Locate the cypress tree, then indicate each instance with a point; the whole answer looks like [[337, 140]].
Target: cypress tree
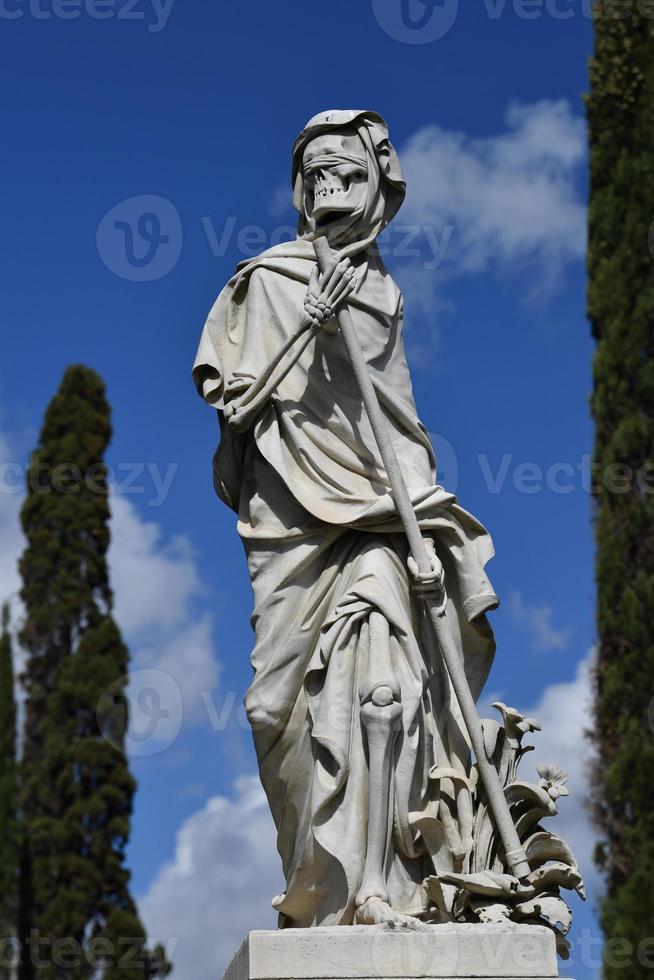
[[77, 914], [8, 802], [621, 311]]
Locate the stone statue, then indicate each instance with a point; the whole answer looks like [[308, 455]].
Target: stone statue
[[364, 748]]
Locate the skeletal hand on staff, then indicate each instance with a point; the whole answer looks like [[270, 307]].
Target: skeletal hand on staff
[[326, 293], [432, 582]]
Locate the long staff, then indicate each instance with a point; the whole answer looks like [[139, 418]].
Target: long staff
[[435, 606]]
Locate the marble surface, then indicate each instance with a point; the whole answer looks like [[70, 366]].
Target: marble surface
[[452, 950]]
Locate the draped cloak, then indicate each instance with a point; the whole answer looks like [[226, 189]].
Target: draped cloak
[[325, 548]]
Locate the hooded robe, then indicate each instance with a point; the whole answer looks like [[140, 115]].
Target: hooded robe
[[325, 548]]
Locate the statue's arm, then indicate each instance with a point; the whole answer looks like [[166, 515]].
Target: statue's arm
[[244, 399]]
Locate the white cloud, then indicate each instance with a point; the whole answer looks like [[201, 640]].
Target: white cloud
[[154, 580], [564, 713], [11, 498], [12, 478], [512, 198], [536, 622], [219, 884], [157, 589], [508, 204], [189, 672]]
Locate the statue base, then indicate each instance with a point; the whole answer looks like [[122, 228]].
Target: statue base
[[449, 951]]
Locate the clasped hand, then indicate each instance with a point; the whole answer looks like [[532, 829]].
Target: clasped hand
[[326, 294], [432, 582]]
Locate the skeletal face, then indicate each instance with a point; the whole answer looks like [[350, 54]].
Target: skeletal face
[[335, 176]]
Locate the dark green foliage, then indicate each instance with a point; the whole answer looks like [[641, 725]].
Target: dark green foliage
[[8, 801], [65, 520], [76, 790], [621, 310]]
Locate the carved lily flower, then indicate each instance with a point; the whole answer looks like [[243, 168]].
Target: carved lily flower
[[515, 723], [553, 779]]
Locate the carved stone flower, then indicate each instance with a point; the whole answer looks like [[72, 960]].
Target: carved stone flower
[[553, 779], [516, 725]]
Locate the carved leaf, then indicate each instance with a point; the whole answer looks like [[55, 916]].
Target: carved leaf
[[485, 842], [495, 912], [433, 835], [536, 797], [525, 822], [456, 775], [551, 908], [557, 875], [491, 730], [543, 846], [489, 883], [436, 895], [502, 751]]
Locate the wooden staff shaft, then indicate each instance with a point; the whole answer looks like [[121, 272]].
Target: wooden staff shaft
[[515, 853]]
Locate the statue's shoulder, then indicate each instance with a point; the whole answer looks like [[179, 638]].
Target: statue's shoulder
[[293, 260], [297, 250]]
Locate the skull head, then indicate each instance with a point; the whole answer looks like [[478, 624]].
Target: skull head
[[335, 176]]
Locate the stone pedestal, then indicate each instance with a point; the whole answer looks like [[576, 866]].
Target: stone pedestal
[[484, 952]]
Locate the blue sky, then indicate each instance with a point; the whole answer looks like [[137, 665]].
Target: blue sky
[[176, 122]]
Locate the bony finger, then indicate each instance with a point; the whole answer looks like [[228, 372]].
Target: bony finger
[[335, 274], [344, 290], [437, 566], [338, 287], [350, 286], [342, 299], [337, 302]]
